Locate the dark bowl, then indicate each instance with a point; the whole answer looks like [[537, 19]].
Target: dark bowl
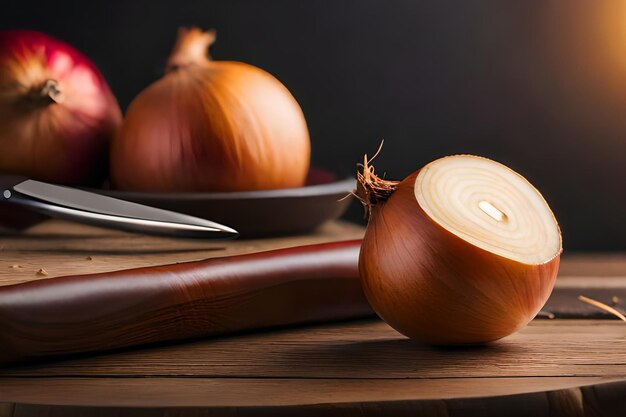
[[259, 213]]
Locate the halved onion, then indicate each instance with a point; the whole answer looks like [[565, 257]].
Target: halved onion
[[463, 251]]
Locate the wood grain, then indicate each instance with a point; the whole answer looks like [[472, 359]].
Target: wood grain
[[364, 349], [110, 310], [220, 392], [63, 248], [361, 368]]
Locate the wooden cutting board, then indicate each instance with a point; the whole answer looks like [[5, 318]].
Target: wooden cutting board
[[64, 248], [56, 248], [552, 367]]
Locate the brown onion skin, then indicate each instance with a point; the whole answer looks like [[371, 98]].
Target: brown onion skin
[[434, 287], [211, 126], [64, 141]]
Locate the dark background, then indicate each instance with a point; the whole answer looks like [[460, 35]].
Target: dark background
[[539, 85]]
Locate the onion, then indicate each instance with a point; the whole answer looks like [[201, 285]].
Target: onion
[[463, 251], [211, 126], [57, 113]]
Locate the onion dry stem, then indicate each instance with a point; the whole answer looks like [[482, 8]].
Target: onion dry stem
[[372, 189]]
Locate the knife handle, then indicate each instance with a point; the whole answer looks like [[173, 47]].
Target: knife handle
[[88, 313]]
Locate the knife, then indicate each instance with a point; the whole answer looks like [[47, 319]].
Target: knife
[[99, 210]]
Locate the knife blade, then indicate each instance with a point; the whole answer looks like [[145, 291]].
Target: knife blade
[[99, 210]]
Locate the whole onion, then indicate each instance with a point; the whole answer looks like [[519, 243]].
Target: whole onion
[[57, 113], [462, 251], [211, 126]]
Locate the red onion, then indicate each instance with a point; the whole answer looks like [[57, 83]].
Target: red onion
[[57, 113]]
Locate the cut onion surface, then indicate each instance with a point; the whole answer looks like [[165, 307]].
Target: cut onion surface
[[490, 206]]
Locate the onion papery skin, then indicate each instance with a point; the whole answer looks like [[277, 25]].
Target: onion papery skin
[[211, 126], [435, 287], [61, 137]]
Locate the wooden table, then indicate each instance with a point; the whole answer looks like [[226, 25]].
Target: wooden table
[[552, 367]]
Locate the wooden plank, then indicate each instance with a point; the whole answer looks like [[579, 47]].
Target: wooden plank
[[594, 264], [365, 349], [355, 368], [251, 392], [71, 242], [64, 248], [7, 409], [564, 302]]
